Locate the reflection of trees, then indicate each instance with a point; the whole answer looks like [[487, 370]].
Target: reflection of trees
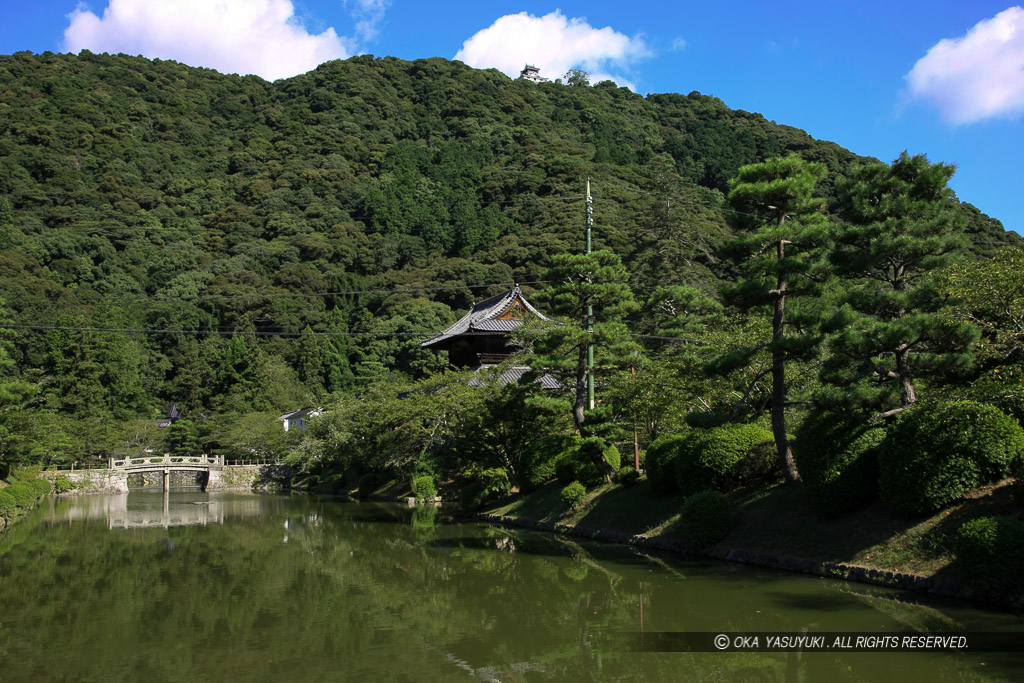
[[309, 589]]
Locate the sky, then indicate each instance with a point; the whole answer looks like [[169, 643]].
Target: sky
[[943, 78]]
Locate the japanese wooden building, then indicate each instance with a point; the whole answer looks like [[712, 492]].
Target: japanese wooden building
[[482, 337]]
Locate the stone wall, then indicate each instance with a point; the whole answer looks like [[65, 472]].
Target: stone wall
[[92, 481], [250, 478]]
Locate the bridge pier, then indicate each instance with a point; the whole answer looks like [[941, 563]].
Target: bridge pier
[[167, 480]]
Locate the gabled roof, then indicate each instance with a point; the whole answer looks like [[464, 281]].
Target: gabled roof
[[302, 412], [490, 316]]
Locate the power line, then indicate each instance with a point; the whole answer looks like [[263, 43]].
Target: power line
[[203, 297], [265, 333]]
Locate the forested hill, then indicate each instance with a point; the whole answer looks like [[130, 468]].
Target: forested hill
[[148, 195]]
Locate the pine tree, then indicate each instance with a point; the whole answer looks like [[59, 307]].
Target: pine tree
[[594, 281], [902, 225], [783, 235]]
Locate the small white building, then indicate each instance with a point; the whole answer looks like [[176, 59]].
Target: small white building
[[532, 74], [297, 420]]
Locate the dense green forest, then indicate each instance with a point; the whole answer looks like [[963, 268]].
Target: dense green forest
[[243, 248]]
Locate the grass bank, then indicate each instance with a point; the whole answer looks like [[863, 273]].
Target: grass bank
[[776, 527], [19, 494]]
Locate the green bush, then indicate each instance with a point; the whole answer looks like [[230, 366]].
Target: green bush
[[838, 462], [367, 484], [761, 463], [62, 484], [424, 487], [990, 553], [486, 485], [539, 465], [939, 451], [660, 463], [628, 475], [579, 465], [713, 458], [572, 495], [8, 506], [705, 519]]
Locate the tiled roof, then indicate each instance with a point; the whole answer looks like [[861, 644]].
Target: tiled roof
[[512, 376], [481, 317]]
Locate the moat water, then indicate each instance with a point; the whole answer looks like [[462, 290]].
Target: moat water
[[246, 587]]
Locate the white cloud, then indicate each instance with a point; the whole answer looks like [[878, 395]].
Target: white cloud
[[368, 15], [678, 44], [553, 42], [263, 37], [977, 76]]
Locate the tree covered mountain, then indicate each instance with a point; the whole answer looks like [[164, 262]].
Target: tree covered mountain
[[199, 219]]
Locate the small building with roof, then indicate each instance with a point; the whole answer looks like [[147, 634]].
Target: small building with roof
[[298, 419], [482, 337]]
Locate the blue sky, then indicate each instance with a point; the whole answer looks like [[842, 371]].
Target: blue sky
[[944, 78]]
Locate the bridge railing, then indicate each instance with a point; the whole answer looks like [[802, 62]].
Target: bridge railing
[[165, 460]]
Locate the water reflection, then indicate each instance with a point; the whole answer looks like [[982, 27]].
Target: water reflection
[[296, 588], [155, 509]]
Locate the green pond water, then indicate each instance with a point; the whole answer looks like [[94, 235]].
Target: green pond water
[[245, 587]]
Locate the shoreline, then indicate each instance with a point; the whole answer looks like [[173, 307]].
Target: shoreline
[[932, 587]]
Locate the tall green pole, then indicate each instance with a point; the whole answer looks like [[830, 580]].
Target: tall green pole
[[590, 309]]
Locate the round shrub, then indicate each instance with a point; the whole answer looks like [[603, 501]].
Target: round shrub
[[990, 553], [538, 467], [572, 495], [660, 463], [838, 462], [628, 475], [424, 487], [367, 483], [712, 458], [939, 451], [705, 519], [62, 484]]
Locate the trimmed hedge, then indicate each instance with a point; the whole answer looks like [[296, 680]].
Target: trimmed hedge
[[424, 487], [713, 458], [939, 451], [660, 462], [705, 519], [572, 495], [838, 462], [990, 552]]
